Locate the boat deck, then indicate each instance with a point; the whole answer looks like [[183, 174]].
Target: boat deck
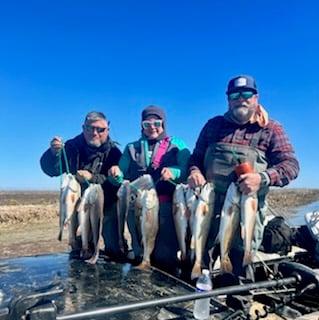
[[79, 287]]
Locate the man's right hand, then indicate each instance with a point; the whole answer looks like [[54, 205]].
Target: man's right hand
[[114, 171], [56, 145], [116, 174], [196, 179]]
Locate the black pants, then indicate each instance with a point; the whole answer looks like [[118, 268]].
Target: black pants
[[110, 233]]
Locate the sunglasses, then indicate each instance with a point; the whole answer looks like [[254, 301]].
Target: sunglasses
[[92, 129], [148, 123], [244, 94]]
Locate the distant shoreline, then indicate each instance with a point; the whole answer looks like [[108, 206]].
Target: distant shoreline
[[29, 220]]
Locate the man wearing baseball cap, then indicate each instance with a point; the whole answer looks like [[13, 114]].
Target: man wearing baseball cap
[[244, 133]]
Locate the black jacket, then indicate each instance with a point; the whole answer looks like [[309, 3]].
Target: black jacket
[[80, 156]]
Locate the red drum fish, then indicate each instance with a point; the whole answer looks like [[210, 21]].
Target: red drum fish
[[144, 182], [91, 217], [202, 211], [239, 210], [70, 194], [181, 216], [148, 201], [248, 206], [123, 205], [191, 203]]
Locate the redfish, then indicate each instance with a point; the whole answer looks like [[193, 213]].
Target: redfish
[[239, 211], [123, 205], [249, 206], [181, 216], [201, 203], [70, 194], [91, 217], [149, 204]]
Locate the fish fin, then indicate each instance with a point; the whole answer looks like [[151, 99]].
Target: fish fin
[[242, 231], [192, 244]]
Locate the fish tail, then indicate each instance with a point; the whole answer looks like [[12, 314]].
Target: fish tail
[[247, 258], [196, 271], [226, 264], [93, 259], [144, 265]]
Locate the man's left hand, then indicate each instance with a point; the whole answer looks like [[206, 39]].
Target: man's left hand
[[166, 174], [249, 183], [83, 176]]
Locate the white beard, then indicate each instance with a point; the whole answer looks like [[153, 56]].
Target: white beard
[[95, 144], [242, 113]]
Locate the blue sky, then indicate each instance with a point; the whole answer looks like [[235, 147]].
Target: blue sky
[[62, 59]]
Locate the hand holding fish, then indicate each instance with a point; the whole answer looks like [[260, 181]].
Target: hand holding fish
[[196, 179], [83, 176], [166, 174], [249, 183], [114, 171], [56, 145]]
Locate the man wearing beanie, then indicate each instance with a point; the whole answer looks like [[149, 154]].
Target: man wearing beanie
[[165, 159], [243, 134]]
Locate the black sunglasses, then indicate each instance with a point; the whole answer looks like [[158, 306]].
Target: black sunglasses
[[89, 128]]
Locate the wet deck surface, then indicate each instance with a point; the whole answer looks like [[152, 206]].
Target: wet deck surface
[[84, 287]]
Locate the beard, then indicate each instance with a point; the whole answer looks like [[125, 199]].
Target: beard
[[94, 143], [242, 113]]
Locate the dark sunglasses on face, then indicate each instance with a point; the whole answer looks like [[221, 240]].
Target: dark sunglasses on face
[[148, 123], [244, 94], [89, 128]]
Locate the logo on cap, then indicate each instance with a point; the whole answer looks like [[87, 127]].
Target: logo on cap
[[240, 82]]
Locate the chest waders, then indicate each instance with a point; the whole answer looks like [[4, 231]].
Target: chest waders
[[219, 166]]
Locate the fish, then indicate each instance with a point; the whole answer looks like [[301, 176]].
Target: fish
[[229, 225], [249, 205], [191, 203], [239, 211], [201, 203], [181, 216], [123, 205], [90, 220], [147, 201], [70, 195]]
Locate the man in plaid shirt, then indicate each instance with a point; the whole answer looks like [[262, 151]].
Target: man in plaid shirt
[[243, 133]]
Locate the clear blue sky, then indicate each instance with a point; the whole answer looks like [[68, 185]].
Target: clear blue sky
[[62, 59]]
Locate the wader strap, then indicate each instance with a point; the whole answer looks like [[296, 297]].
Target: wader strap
[[255, 139], [143, 158]]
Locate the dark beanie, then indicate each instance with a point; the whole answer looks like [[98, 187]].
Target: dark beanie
[[154, 111]]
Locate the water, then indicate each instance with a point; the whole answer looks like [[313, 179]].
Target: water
[[298, 218]]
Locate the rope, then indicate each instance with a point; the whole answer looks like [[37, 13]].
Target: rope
[[67, 169], [86, 180]]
